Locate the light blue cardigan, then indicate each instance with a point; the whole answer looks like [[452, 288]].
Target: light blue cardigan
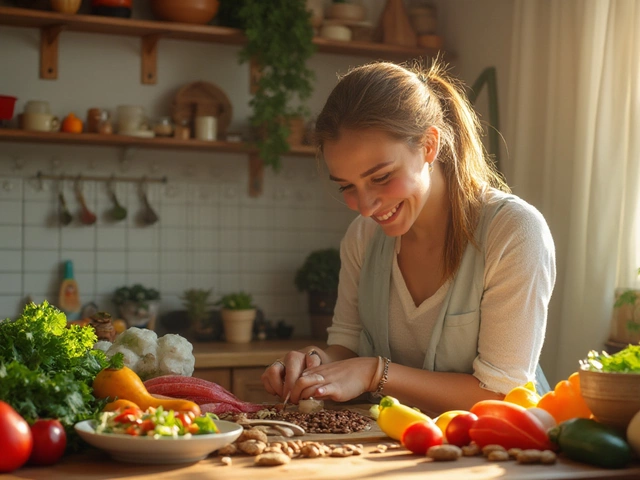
[[453, 345]]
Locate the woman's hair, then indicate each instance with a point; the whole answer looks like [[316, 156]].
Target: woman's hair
[[404, 102]]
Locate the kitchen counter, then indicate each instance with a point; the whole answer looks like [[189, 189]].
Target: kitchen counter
[[391, 465], [256, 353]]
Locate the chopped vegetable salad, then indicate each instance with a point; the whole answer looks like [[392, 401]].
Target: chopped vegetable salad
[[155, 423]]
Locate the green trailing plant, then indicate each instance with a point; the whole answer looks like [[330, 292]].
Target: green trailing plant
[[319, 272], [280, 40], [236, 301], [630, 297]]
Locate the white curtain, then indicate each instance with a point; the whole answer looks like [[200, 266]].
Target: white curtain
[[573, 128]]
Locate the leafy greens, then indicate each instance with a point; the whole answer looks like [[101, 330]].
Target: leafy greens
[[624, 361]]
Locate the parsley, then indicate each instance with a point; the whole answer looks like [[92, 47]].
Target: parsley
[[47, 368]]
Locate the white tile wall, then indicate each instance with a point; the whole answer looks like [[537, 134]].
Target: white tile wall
[[211, 234]]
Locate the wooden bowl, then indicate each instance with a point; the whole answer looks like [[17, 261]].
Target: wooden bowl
[[613, 398], [346, 11], [197, 12]]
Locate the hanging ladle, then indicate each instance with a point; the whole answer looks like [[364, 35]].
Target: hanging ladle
[[118, 212], [148, 216], [87, 217], [64, 215]]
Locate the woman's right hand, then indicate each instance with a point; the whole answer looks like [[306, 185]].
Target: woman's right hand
[[280, 377]]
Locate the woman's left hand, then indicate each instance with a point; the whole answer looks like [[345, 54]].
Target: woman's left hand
[[339, 381]]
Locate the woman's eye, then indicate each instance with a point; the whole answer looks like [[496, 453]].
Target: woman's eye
[[381, 179], [344, 187]]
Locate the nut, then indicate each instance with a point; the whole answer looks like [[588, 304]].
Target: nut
[[487, 449], [547, 457], [498, 456], [513, 452], [255, 434], [226, 461], [471, 450], [252, 447], [444, 453], [230, 449], [529, 456], [271, 459]]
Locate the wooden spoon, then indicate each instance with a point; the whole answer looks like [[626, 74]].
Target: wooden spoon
[[87, 217]]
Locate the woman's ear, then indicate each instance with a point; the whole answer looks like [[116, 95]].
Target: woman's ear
[[431, 144]]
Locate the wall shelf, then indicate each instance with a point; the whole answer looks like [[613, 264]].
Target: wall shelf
[[51, 24]]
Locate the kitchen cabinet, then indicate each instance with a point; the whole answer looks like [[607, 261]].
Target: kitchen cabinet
[[238, 367], [150, 32]]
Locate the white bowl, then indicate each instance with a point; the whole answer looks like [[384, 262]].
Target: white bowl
[[336, 32], [127, 448]]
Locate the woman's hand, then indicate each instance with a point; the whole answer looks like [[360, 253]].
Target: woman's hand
[[280, 377], [339, 381]]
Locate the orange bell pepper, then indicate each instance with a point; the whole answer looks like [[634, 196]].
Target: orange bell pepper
[[565, 401]]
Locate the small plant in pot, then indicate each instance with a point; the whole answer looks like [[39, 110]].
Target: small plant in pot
[[319, 277], [625, 323], [238, 314], [199, 313], [138, 305]]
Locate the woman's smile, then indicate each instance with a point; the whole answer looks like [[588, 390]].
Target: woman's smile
[[389, 216]]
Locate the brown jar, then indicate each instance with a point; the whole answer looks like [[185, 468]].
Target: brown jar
[[94, 116]]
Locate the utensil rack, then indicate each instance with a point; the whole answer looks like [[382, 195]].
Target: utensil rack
[[95, 178]]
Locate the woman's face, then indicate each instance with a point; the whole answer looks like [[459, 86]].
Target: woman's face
[[380, 177]]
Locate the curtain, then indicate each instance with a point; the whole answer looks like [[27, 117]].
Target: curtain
[[573, 127]]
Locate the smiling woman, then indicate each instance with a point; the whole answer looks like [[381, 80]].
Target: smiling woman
[[445, 275]]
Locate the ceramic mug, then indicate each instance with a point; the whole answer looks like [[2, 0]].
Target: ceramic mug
[[40, 122], [206, 128], [36, 106]]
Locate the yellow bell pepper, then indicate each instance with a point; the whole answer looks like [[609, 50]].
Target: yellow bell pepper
[[566, 402], [394, 417], [525, 395]]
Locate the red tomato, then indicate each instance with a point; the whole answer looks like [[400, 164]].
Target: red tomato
[[457, 431], [185, 418], [49, 442], [419, 436], [15, 438]]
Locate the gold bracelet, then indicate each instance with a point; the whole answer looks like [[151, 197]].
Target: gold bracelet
[[385, 376]]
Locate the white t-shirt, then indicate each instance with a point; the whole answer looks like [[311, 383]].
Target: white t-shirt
[[518, 280]]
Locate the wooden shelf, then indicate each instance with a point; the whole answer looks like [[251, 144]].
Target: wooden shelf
[[24, 136], [22, 17]]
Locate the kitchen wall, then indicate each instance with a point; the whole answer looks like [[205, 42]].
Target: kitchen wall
[[211, 234]]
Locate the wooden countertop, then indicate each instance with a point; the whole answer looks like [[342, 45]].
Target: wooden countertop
[[391, 465], [258, 353]]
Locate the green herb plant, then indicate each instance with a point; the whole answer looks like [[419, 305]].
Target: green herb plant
[[196, 301], [280, 40], [236, 301], [319, 272], [137, 294], [47, 368], [630, 297]]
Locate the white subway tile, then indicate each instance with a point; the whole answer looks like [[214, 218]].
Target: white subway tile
[[174, 215], [80, 238], [143, 261], [10, 188], [10, 212], [149, 280], [229, 240], [206, 261], [10, 236], [83, 261], [107, 283], [229, 262], [11, 306], [40, 238], [112, 238], [173, 261], [173, 239], [145, 238], [40, 260], [174, 283], [111, 261], [10, 261], [39, 283], [229, 283]]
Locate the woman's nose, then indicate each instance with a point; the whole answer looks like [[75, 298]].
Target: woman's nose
[[367, 203]]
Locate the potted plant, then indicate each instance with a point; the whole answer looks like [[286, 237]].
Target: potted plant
[[238, 314], [279, 41], [198, 306], [319, 277], [138, 305], [625, 324]]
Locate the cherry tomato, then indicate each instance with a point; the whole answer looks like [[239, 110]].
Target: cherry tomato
[[420, 436], [49, 442], [128, 415], [15, 438], [457, 431], [185, 418]]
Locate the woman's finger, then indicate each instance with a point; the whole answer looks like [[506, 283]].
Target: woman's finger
[[312, 359]]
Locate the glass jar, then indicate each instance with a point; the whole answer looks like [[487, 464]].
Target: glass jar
[[163, 127], [104, 125]]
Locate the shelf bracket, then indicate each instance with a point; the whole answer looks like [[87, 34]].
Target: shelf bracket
[[49, 51], [256, 175], [149, 61]]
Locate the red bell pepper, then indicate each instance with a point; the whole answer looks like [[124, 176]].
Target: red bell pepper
[[509, 425]]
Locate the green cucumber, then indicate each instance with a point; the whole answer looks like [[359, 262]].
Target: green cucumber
[[585, 440]]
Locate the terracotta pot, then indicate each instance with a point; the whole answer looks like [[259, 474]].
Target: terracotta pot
[[66, 6], [197, 12], [238, 325]]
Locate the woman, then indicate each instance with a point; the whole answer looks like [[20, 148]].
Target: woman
[[445, 277]]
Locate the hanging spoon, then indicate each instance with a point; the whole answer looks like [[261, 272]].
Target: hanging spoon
[[64, 215], [87, 217], [149, 217], [118, 212]]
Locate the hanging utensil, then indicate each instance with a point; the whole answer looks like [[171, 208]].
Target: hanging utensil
[[118, 212], [87, 217], [64, 215], [148, 216]]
